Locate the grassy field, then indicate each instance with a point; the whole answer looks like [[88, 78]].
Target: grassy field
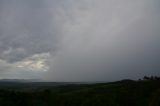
[[120, 93]]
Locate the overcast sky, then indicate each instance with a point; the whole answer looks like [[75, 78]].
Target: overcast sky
[[79, 40]]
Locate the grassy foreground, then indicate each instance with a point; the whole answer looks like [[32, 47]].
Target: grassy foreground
[[121, 93]]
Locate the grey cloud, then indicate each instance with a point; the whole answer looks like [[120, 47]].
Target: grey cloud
[[28, 25], [110, 40], [93, 39]]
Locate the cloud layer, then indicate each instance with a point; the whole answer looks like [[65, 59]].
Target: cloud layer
[[85, 40]]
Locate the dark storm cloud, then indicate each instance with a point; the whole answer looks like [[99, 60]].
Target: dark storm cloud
[[86, 40], [110, 40]]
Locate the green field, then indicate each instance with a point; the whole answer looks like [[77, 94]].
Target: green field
[[120, 93]]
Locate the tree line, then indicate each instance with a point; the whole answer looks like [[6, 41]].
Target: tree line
[[151, 78]]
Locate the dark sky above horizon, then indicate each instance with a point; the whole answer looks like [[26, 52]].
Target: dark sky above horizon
[[79, 40]]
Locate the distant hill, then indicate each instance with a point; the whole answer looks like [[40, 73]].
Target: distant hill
[[20, 80]]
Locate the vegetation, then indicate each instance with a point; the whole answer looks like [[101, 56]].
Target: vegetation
[[122, 93]]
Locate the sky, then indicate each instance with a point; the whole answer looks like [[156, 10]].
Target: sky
[[79, 40]]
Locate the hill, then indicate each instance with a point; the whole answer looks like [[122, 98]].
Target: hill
[[120, 93]]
